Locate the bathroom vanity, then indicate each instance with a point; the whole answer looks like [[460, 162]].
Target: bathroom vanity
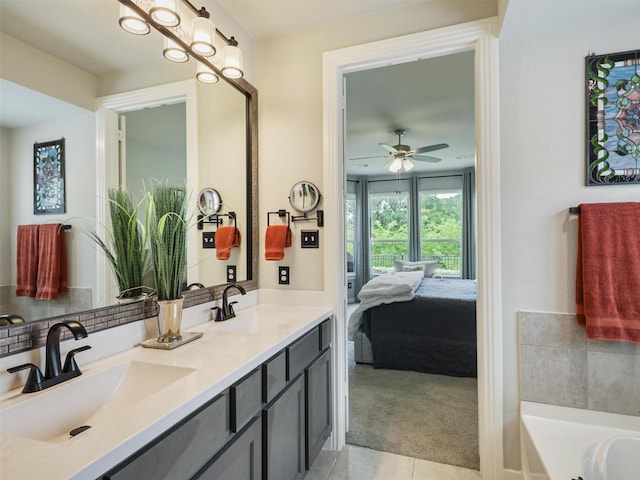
[[251, 399]]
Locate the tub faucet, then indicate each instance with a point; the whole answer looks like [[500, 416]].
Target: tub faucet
[[226, 312], [54, 371]]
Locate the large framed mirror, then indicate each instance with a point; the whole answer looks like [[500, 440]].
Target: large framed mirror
[[230, 166]]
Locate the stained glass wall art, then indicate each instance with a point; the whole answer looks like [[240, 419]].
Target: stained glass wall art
[[48, 177], [613, 118]]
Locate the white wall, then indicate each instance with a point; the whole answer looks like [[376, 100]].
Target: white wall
[[542, 95], [79, 135], [289, 79]]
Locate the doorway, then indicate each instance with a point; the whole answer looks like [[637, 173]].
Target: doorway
[[475, 36]]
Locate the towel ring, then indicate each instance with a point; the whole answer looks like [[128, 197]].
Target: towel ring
[[281, 213]]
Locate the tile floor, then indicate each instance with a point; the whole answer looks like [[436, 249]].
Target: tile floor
[[358, 463]]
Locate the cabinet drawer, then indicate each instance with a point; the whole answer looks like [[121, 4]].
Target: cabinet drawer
[[245, 400], [302, 352], [325, 334], [274, 376], [182, 450]]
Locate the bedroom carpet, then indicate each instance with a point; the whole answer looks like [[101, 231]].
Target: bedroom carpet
[[420, 415]]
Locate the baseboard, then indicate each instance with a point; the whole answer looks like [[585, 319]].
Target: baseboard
[[518, 475], [511, 474]]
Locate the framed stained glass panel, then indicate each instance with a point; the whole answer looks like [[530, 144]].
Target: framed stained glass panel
[[613, 118], [48, 177]]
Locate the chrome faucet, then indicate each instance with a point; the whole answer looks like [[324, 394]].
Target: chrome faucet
[[226, 312], [55, 373]]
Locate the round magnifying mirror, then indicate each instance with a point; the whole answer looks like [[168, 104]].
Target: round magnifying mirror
[[304, 196], [209, 201]]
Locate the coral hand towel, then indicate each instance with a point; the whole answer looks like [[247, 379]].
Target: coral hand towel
[[27, 253], [278, 237], [226, 239], [608, 271], [52, 262]]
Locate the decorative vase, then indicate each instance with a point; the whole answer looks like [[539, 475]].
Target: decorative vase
[[169, 320]]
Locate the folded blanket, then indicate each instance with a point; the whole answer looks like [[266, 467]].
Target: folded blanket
[[386, 288]]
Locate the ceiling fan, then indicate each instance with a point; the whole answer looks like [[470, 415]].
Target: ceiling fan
[[401, 154]]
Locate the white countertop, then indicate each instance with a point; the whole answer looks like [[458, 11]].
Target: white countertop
[[226, 352]]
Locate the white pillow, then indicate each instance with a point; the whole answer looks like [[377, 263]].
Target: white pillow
[[429, 266]]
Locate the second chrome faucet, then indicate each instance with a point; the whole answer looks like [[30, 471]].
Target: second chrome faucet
[[226, 311]]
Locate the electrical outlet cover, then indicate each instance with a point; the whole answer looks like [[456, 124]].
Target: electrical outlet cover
[[283, 275], [309, 238]]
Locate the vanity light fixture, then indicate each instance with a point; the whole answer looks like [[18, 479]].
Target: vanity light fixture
[[184, 39], [206, 75], [132, 22], [232, 60], [165, 13], [174, 52], [204, 32]]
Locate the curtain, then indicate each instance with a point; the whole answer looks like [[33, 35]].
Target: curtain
[[469, 260]]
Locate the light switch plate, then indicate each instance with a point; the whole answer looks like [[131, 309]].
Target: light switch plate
[[283, 275], [309, 238], [208, 239]]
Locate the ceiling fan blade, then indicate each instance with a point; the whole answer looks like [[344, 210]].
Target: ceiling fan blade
[[431, 148], [367, 158], [424, 158], [388, 148]]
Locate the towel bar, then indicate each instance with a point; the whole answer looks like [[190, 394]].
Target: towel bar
[[281, 213], [574, 210], [215, 219]]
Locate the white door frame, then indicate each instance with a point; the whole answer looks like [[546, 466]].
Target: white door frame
[[107, 155], [480, 37]]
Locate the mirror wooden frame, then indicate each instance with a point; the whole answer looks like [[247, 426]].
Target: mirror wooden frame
[[30, 335]]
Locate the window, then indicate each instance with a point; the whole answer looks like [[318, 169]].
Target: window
[[350, 230], [441, 230], [389, 221]]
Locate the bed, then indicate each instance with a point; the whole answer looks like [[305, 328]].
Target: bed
[[428, 325]]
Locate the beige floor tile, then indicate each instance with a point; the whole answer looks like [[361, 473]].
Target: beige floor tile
[[358, 463], [425, 470], [322, 466]]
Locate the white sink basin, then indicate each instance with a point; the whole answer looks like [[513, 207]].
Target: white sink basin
[[50, 415]]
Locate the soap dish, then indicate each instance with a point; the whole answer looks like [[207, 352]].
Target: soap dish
[[186, 338]]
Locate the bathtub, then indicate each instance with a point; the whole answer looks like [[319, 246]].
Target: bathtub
[[560, 443]]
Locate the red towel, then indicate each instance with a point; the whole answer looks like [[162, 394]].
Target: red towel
[[226, 239], [52, 262], [27, 260], [608, 271], [278, 237]]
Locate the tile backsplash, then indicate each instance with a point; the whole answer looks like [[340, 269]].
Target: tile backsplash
[[559, 365]]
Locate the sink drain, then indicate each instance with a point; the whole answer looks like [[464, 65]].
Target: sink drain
[[78, 430]]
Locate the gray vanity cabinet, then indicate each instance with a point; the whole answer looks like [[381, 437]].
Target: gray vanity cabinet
[[181, 451], [269, 425], [241, 459], [318, 406], [284, 439]]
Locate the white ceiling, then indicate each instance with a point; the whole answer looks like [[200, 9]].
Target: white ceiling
[[85, 33]]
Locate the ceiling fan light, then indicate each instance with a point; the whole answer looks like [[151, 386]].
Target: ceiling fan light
[[408, 165], [396, 165], [165, 13], [232, 67], [203, 34], [174, 52], [206, 75], [132, 22]]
